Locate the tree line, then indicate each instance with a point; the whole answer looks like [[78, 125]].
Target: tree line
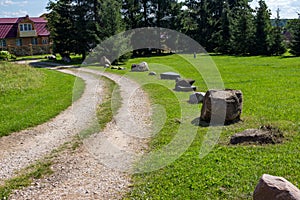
[[229, 27]]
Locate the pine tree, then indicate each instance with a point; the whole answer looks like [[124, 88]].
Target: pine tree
[[84, 22], [146, 13], [131, 12], [242, 28], [111, 19], [215, 10], [166, 13], [295, 44], [199, 25], [111, 25], [278, 47], [263, 30], [61, 26], [224, 45], [72, 26]]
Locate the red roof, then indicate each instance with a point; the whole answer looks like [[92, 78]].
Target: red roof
[[9, 26], [41, 29], [8, 20], [38, 19]]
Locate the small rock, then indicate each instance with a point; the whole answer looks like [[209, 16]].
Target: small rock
[[275, 188], [152, 74], [196, 98], [169, 76], [51, 57]]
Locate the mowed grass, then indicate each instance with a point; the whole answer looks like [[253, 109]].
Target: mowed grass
[[270, 86], [30, 96]]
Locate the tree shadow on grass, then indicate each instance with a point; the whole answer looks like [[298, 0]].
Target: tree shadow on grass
[[290, 56], [199, 122]]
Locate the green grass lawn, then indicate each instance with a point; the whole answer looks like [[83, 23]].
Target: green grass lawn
[[30, 96], [270, 86]]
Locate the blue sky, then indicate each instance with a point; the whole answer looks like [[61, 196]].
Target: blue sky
[[34, 8]]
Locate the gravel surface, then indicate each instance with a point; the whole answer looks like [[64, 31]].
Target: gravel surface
[[99, 168], [21, 149]]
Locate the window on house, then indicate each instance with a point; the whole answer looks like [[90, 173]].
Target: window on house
[[44, 41], [34, 41], [25, 27], [19, 42], [2, 43]]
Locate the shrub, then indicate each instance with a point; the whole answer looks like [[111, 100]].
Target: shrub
[[5, 55]]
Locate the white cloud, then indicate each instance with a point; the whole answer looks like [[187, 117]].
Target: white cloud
[[14, 14], [11, 2], [288, 8]]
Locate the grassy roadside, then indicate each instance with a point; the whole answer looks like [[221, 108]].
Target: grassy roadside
[[271, 96], [30, 96], [110, 103]]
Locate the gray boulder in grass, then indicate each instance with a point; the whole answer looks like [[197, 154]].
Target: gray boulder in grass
[[227, 103], [275, 188], [105, 62], [184, 85], [142, 67]]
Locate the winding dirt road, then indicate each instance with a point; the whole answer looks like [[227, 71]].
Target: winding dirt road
[[98, 169]]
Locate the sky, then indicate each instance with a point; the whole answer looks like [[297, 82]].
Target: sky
[[34, 8]]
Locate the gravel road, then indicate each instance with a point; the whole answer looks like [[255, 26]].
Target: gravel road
[[99, 168]]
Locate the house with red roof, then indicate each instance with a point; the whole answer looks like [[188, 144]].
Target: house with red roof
[[25, 35]]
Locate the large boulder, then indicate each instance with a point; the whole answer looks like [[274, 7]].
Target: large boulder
[[142, 67], [196, 98], [105, 62], [169, 76], [275, 188], [184, 85], [222, 105]]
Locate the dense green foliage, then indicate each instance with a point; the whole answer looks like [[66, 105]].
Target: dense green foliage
[[295, 46], [227, 172], [229, 27], [242, 38], [31, 96], [278, 47], [5, 55], [78, 26], [263, 29]]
